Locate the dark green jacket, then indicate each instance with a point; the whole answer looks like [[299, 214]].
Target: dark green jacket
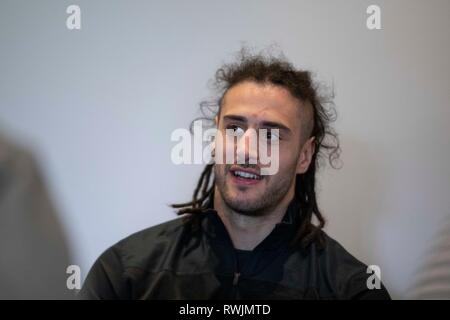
[[193, 258]]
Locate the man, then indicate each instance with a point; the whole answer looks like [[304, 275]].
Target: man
[[246, 235]]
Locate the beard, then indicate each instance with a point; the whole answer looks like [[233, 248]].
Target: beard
[[251, 200]]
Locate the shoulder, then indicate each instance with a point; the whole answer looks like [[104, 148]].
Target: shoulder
[[143, 247], [341, 259], [132, 257], [349, 277], [154, 233]]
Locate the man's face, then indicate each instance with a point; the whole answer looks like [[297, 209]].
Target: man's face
[[251, 106]]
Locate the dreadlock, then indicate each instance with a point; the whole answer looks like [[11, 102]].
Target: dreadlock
[[268, 69]]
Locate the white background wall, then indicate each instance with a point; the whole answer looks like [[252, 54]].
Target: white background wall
[[98, 106]]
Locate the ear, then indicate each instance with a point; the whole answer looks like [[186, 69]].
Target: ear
[[306, 154]]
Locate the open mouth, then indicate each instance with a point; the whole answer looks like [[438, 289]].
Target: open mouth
[[247, 176]]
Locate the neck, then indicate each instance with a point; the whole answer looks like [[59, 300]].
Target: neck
[[247, 231]]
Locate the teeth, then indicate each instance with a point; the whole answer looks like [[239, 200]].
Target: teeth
[[246, 175]]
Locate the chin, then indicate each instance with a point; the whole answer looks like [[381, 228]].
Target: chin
[[244, 205]]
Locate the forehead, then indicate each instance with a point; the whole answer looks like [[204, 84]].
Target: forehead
[[262, 102]]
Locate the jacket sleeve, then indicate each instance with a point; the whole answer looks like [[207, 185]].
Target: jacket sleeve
[[105, 280]]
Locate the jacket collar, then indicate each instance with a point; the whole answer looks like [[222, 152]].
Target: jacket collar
[[282, 232]]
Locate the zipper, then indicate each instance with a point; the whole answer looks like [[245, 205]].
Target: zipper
[[236, 275], [236, 278]]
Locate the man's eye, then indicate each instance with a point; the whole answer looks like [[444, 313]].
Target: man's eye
[[237, 131], [272, 135]]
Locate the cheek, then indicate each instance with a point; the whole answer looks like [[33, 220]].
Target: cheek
[[219, 169], [288, 160]]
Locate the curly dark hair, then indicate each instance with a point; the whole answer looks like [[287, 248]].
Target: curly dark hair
[[277, 70]]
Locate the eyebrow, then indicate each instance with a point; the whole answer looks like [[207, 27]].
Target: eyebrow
[[269, 124]]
